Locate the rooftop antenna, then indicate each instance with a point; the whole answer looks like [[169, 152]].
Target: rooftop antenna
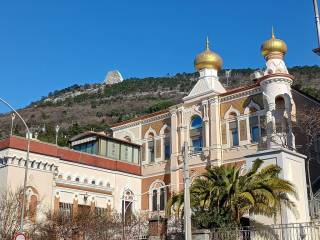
[[316, 12]]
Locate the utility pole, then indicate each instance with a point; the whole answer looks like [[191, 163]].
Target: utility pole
[[187, 207], [316, 13]]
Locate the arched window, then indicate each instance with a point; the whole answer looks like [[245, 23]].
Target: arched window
[[157, 196], [196, 133], [93, 182], [85, 180], [77, 179], [32, 199], [167, 144], [233, 129], [69, 178], [154, 200], [127, 203], [151, 147]]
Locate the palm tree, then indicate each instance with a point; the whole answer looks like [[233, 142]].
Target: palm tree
[[223, 189]]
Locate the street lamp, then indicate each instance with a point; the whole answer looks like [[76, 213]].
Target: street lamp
[[316, 13], [57, 132], [13, 116], [26, 165]]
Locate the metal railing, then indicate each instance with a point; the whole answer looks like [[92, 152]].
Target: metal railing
[[301, 231]]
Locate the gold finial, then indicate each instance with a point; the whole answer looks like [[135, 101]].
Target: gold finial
[[272, 33], [273, 47], [208, 59], [207, 44]]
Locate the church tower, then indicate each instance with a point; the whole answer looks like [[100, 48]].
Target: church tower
[[276, 88]]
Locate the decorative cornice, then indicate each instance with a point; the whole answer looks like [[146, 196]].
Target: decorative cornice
[[286, 80], [84, 187], [33, 164], [241, 94], [143, 121], [156, 118]]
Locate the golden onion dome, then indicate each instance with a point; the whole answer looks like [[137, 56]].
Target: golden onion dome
[[208, 59], [273, 48]]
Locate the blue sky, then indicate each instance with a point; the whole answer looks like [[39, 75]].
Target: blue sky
[[49, 45]]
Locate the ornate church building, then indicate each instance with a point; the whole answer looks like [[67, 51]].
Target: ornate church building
[[220, 126], [141, 165]]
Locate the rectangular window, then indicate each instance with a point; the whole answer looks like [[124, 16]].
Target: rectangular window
[[197, 144], [135, 155], [234, 136], [88, 147], [167, 149], [254, 128], [100, 211], [162, 199], [151, 151], [65, 209], [255, 134], [127, 207], [154, 200], [126, 153], [113, 150]]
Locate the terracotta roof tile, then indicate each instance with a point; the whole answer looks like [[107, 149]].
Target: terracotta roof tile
[[140, 118]]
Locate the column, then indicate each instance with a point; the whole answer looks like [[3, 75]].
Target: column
[[162, 147], [206, 125], [248, 128], [174, 152], [215, 134], [271, 125], [181, 129]]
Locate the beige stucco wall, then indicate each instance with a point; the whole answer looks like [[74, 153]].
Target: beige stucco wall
[[133, 132], [100, 194]]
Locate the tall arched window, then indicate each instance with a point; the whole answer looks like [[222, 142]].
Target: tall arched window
[[167, 144], [233, 129], [32, 198], [127, 202], [157, 196], [151, 147], [196, 133]]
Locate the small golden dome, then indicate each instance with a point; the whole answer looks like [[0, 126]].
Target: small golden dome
[[208, 59], [273, 48]]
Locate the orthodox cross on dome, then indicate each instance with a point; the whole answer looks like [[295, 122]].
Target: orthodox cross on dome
[[272, 33], [207, 44]]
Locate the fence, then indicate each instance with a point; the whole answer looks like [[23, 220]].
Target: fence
[[302, 231]]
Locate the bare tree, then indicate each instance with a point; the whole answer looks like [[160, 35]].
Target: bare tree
[[88, 224], [10, 204], [307, 126]]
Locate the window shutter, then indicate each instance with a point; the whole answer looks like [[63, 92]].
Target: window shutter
[[158, 148], [143, 152], [224, 133], [243, 130]]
